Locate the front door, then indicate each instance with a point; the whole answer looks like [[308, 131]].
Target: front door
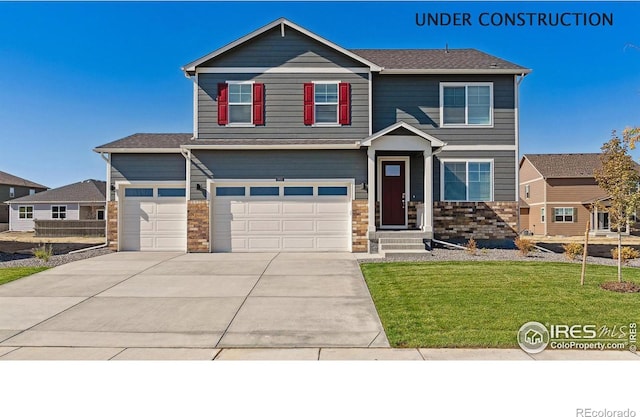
[[393, 194]]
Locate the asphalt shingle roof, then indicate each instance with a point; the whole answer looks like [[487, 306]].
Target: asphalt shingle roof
[[8, 179], [565, 165], [88, 191], [435, 59], [149, 140]]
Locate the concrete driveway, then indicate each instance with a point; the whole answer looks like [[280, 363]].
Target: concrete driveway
[[161, 300]]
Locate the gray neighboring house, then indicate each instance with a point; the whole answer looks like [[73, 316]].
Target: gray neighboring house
[[300, 144], [83, 200], [13, 187]]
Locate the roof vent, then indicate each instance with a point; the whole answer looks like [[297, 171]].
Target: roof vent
[[446, 48], [494, 65]]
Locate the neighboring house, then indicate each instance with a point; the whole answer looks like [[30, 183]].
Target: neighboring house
[[14, 187], [557, 193], [302, 145], [83, 200]]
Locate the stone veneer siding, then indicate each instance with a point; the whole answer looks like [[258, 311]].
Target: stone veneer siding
[[480, 220], [197, 226], [412, 214], [360, 224], [112, 225]]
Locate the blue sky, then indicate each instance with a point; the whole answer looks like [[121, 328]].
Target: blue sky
[[76, 75]]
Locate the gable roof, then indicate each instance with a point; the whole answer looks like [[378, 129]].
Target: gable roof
[[8, 179], [190, 68], [565, 165], [160, 142], [435, 142], [88, 191], [439, 61]]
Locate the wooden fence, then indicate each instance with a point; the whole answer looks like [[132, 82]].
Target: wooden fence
[[61, 228]]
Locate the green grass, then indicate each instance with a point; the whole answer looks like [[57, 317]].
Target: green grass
[[12, 274], [483, 304]]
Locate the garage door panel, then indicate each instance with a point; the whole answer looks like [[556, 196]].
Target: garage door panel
[[169, 226], [334, 226], [263, 243], [294, 226], [257, 208], [331, 208], [330, 243], [298, 208], [298, 243], [272, 226]]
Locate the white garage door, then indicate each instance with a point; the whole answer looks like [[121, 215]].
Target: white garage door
[[154, 219], [268, 218]]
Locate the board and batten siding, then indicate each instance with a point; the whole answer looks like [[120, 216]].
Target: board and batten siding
[[504, 166], [283, 103], [40, 212], [271, 49], [288, 164], [147, 167], [415, 99]]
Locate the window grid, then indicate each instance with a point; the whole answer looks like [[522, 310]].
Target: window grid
[[240, 102], [326, 102], [467, 181], [563, 214], [466, 105]]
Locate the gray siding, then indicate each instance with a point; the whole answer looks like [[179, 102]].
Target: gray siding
[[283, 108], [415, 99], [147, 167], [270, 49], [504, 171], [290, 164], [4, 196], [416, 173]]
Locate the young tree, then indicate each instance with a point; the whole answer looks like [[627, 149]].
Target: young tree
[[619, 179]]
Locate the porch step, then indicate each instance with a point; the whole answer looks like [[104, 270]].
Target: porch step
[[401, 245]]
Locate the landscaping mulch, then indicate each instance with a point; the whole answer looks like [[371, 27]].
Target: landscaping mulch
[[625, 287]]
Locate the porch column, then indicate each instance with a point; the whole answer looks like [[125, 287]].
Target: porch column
[[427, 211], [371, 188]]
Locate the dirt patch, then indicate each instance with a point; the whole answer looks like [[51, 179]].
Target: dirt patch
[[598, 250], [626, 287], [26, 248]]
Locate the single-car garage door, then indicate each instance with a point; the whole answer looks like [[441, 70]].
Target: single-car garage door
[[288, 217], [154, 219]]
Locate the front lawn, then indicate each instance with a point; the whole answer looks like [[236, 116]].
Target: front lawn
[[11, 274], [483, 304]]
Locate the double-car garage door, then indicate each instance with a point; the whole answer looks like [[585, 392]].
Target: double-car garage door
[[245, 217]]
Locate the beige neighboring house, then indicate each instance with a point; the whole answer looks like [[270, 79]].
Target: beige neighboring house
[[557, 192]]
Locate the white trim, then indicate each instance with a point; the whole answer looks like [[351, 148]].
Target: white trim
[[196, 89], [190, 67], [65, 211], [249, 104], [138, 150], [543, 215], [353, 145], [108, 184], [466, 124], [481, 148], [467, 160], [564, 216], [407, 188], [371, 188], [435, 142], [440, 71], [427, 210], [26, 218], [282, 70], [104, 213], [557, 202], [516, 115], [337, 104], [92, 203], [531, 181]]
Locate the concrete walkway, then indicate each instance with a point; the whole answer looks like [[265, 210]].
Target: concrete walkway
[[311, 354], [123, 303]]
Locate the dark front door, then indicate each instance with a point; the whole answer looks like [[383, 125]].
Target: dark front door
[[393, 193]]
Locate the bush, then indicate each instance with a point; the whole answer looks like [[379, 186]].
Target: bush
[[524, 245], [471, 246], [43, 252], [572, 250], [628, 253]]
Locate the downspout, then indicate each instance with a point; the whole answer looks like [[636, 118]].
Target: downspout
[[187, 155], [107, 159], [517, 81]]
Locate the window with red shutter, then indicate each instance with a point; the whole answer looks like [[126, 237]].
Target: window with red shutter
[[258, 104], [309, 109], [344, 104]]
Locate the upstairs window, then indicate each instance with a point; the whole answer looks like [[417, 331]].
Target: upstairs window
[[240, 103], [32, 191], [466, 104], [12, 192], [466, 180], [58, 212], [327, 103]]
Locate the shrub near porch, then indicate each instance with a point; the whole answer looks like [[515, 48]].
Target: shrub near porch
[[483, 304]]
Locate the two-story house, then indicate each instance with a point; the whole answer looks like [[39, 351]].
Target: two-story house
[[299, 144], [13, 187]]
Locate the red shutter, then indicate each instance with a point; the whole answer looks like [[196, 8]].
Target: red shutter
[[258, 104], [223, 104], [344, 103], [308, 104]]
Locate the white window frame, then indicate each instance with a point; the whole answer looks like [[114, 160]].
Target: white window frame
[[466, 180], [26, 213], [103, 213], [564, 216], [32, 191], [12, 192], [466, 124], [542, 215], [239, 124], [337, 122], [59, 207], [527, 191]]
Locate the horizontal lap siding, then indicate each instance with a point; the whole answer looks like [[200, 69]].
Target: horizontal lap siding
[[283, 95], [292, 50], [40, 211], [504, 165], [415, 99], [290, 164], [147, 167], [575, 228], [572, 189]]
